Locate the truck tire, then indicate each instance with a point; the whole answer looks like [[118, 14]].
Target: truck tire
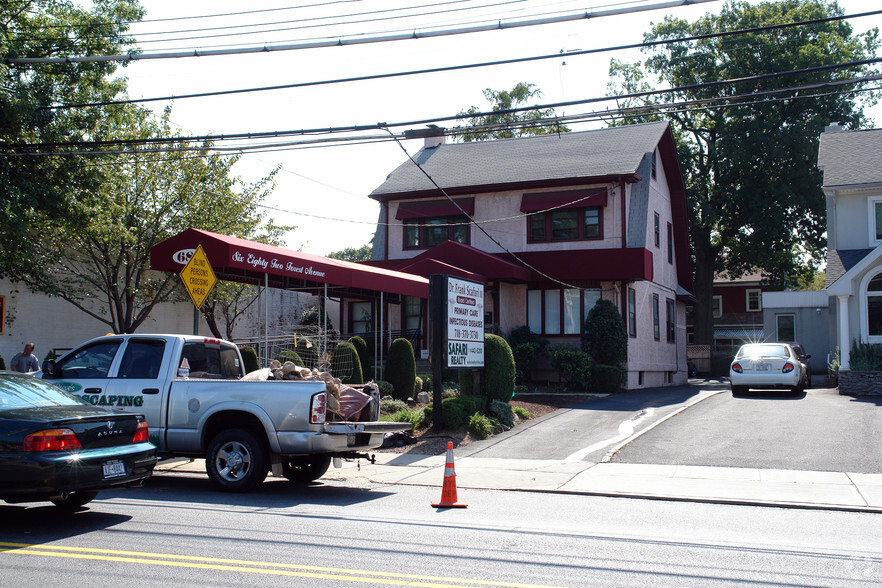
[[236, 461], [301, 470]]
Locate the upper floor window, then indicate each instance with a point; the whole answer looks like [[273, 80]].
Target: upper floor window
[[422, 233], [754, 300], [875, 220], [654, 165], [657, 231], [670, 243], [567, 224]]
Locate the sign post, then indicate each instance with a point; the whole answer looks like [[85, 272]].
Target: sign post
[[456, 329], [198, 277]]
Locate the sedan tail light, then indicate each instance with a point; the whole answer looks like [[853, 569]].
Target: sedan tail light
[[52, 440], [788, 367], [736, 367], [142, 434]]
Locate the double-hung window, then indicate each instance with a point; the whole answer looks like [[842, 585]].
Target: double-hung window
[[425, 232], [556, 311], [656, 320], [568, 224], [671, 320]]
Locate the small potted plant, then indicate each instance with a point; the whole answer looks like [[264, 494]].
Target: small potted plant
[[832, 380]]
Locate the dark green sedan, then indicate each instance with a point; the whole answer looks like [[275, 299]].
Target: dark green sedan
[[56, 447]]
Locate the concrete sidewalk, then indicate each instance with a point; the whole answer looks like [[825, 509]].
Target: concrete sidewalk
[[786, 488]]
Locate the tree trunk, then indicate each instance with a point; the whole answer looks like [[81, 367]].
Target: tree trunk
[[705, 256]]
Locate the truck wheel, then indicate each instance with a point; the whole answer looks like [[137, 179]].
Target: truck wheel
[[74, 500], [236, 461], [306, 469]]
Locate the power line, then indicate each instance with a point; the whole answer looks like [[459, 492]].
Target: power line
[[443, 69], [340, 41], [383, 125]]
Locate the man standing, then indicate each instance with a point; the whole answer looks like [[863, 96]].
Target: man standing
[[25, 361]]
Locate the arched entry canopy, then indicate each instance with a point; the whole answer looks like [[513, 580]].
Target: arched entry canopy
[[239, 260]]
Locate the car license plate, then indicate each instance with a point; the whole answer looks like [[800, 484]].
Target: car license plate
[[762, 367], [114, 468]]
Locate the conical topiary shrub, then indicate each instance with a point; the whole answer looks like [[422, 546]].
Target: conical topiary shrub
[[345, 363], [249, 358], [363, 356], [401, 368]]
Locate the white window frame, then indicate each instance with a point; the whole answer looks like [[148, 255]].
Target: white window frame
[[759, 299], [871, 216], [864, 311], [718, 303], [778, 326]]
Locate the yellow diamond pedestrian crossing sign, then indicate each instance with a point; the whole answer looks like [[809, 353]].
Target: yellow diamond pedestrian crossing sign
[[198, 277]]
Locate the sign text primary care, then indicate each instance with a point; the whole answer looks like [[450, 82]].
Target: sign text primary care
[[465, 323]]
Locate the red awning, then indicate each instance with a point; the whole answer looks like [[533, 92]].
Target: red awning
[[563, 199], [240, 260], [429, 208]]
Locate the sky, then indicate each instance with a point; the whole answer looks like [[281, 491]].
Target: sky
[[324, 190]]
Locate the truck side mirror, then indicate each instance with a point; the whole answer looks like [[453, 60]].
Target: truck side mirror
[[49, 369]]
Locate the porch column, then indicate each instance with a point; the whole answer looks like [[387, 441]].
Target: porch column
[[844, 337]]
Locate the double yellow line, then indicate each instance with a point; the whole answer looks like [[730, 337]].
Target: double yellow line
[[249, 567]]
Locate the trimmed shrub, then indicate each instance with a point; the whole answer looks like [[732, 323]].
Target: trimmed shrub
[[391, 405], [525, 347], [455, 411], [865, 356], [574, 366], [345, 361], [427, 382], [308, 352], [385, 387], [480, 426], [401, 368], [417, 386], [499, 369], [607, 379], [502, 412], [364, 356], [414, 417], [522, 412], [605, 337], [249, 358], [290, 355]]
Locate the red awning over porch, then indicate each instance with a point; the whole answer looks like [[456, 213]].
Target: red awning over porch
[[240, 260]]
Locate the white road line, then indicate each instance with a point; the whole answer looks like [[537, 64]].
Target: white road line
[[626, 429]]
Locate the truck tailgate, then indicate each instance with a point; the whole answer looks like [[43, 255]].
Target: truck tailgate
[[349, 427]]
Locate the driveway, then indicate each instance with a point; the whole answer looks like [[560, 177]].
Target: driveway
[[586, 431], [702, 424]]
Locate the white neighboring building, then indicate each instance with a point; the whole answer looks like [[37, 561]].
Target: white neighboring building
[[852, 166]]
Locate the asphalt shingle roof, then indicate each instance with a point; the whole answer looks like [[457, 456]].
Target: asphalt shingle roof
[[602, 152], [851, 157], [839, 261]]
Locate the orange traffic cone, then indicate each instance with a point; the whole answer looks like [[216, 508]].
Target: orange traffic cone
[[448, 491]]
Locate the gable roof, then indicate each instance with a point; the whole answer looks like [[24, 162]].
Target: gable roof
[[462, 167], [850, 158]]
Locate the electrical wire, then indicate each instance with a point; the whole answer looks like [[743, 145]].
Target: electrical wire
[[340, 41], [642, 45], [412, 123]]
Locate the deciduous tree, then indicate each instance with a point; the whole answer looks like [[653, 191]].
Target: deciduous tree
[[513, 124], [749, 159]]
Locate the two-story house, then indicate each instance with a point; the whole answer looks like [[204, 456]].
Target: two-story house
[[550, 224], [852, 166]]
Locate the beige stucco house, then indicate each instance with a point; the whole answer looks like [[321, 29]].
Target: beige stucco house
[[550, 224]]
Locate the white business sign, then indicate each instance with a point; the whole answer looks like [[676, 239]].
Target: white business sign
[[465, 323]]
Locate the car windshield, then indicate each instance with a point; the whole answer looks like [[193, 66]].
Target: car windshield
[[30, 392], [751, 351]]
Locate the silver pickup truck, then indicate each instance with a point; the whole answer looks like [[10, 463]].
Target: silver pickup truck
[[243, 429]]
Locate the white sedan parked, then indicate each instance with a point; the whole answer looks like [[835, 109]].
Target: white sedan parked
[[766, 366]]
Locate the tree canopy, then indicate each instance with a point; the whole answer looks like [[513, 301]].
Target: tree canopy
[[502, 123], [37, 191], [748, 156]]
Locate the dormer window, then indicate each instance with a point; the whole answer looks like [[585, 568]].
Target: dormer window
[[569, 215]]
